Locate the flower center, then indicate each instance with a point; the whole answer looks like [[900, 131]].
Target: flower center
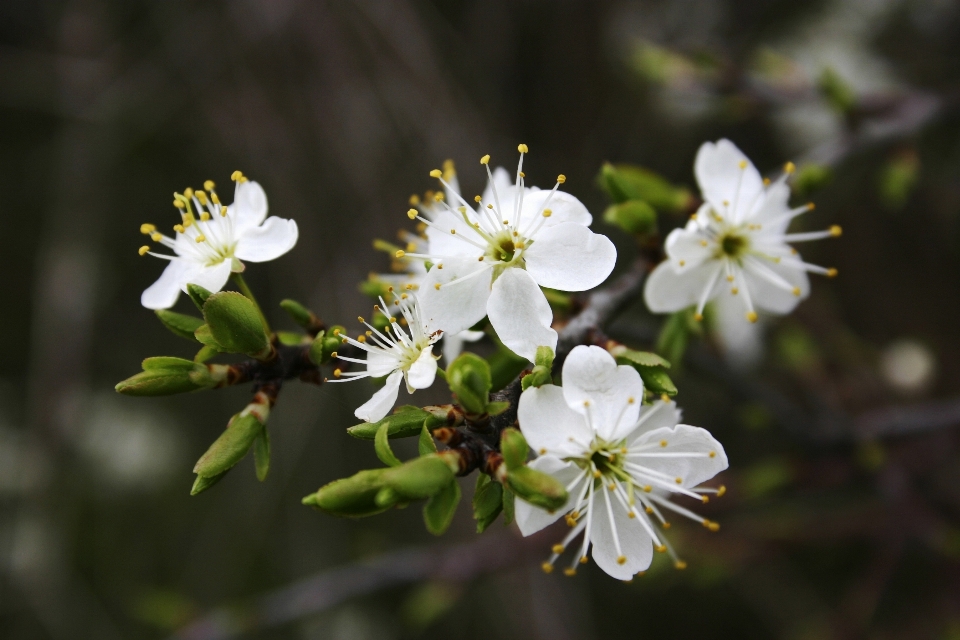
[[733, 245], [502, 247]]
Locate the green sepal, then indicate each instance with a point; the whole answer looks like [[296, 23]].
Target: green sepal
[[198, 294], [469, 378], [657, 380], [514, 448], [316, 349], [544, 357], [539, 489], [298, 313], [441, 507], [202, 483], [487, 501], [626, 182], [509, 505], [425, 443], [381, 445], [236, 324], [261, 455], [179, 323], [633, 216], [405, 422], [541, 373], [232, 445], [352, 497], [419, 478], [206, 352]]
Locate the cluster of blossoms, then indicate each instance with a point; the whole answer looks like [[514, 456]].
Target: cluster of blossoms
[[620, 460]]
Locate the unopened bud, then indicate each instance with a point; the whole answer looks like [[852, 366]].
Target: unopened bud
[[165, 376], [633, 216], [352, 497], [469, 378], [625, 182], [514, 448], [235, 323], [299, 313], [232, 445], [406, 422], [539, 489], [419, 478]]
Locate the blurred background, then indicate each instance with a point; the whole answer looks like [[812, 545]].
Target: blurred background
[[842, 517]]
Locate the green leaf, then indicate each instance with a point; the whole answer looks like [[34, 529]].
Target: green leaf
[[496, 408], [537, 488], [352, 497], [206, 352], [487, 501], [509, 498], [514, 448], [179, 323], [161, 382], [469, 378], [382, 446], [405, 422], [167, 362], [440, 508], [232, 445], [639, 358], [505, 365], [198, 294], [625, 182], [202, 483], [235, 323], [425, 444], [633, 216], [205, 337], [655, 379], [419, 478], [261, 455]]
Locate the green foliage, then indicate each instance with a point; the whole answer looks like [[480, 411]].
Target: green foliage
[[326, 343], [630, 183], [836, 91], [487, 501], [163, 376], [514, 448], [180, 324], [539, 489], [441, 507], [261, 455], [541, 372], [198, 294], [382, 447], [405, 422], [298, 313], [352, 497], [469, 378], [425, 443], [651, 367], [231, 447], [633, 216], [235, 324]]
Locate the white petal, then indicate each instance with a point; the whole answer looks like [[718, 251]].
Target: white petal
[[423, 371], [249, 206], [592, 377], [658, 415], [453, 344], [443, 243], [667, 291], [722, 180], [686, 250], [210, 278], [381, 362], [563, 207], [455, 306], [377, 407], [270, 240], [520, 314], [531, 519], [683, 438], [775, 205], [505, 188], [549, 425], [772, 298], [740, 340], [163, 293], [635, 544], [570, 257]]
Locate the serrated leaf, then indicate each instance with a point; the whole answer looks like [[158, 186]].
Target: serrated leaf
[[640, 358], [381, 444], [656, 380], [425, 444], [261, 455], [179, 323], [198, 294], [206, 338], [440, 508]]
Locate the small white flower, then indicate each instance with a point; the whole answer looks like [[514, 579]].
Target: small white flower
[[736, 243], [619, 462], [393, 353], [492, 260], [212, 239]]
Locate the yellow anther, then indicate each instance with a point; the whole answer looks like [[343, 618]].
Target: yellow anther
[[766, 182], [660, 548], [729, 278], [215, 198], [236, 176], [522, 148], [489, 206], [648, 489], [722, 490], [334, 354], [704, 499], [480, 259], [683, 262], [400, 253], [570, 572], [596, 473], [361, 338], [712, 526], [156, 237], [360, 319], [713, 454], [831, 273], [205, 216], [561, 178], [663, 443], [789, 167], [411, 247], [436, 173], [143, 250], [208, 185], [743, 164], [557, 548], [404, 296], [337, 373], [796, 291], [680, 564], [336, 332], [412, 214], [703, 243], [584, 559], [666, 525], [485, 159], [201, 196], [630, 401], [188, 193], [543, 451], [611, 486], [678, 480], [147, 228], [734, 291], [622, 560], [201, 238], [438, 196], [631, 515], [393, 319], [477, 198], [179, 228], [665, 397], [836, 231], [547, 213], [522, 174], [179, 204], [437, 286], [453, 232], [752, 315], [547, 567], [223, 212], [698, 317], [811, 206]]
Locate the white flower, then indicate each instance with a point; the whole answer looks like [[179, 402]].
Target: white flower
[[393, 353], [736, 243], [212, 239], [492, 260], [619, 462]]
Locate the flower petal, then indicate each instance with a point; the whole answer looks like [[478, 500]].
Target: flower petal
[[163, 293], [377, 407], [740, 340], [520, 314], [453, 344], [549, 425], [770, 215], [504, 187], [688, 249], [667, 291], [728, 179], [635, 544], [531, 519], [270, 240], [682, 438], [658, 415], [443, 243], [773, 298], [210, 278], [570, 257], [423, 371], [249, 206], [564, 208], [607, 394], [381, 362], [455, 306]]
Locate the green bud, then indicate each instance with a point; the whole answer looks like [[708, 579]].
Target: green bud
[[408, 421], [537, 488], [537, 377], [469, 378], [326, 344], [179, 323], [655, 379], [633, 216], [419, 478], [351, 497], [167, 362], [299, 313], [626, 182], [387, 497], [487, 501], [514, 448], [441, 507], [810, 177], [198, 294], [236, 324], [544, 357], [202, 483], [158, 382], [232, 445]]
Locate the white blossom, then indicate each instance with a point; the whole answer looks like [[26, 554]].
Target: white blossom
[[736, 243], [619, 461], [492, 260], [395, 353], [212, 240]]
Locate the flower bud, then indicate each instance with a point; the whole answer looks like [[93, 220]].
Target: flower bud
[[625, 182], [352, 497], [235, 324], [232, 445], [326, 344], [180, 324], [514, 448], [537, 488], [406, 422], [419, 478], [165, 376], [633, 216], [469, 378], [299, 313]]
